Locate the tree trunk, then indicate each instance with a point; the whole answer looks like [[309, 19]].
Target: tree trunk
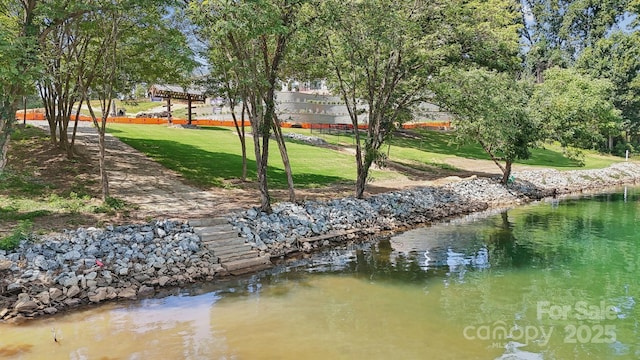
[[101, 128], [361, 180], [260, 129], [361, 172], [75, 124], [48, 100], [610, 143], [103, 167], [243, 144], [285, 157], [7, 113], [240, 130], [506, 172], [262, 154]]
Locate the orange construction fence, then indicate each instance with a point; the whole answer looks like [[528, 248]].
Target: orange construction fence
[[38, 114]]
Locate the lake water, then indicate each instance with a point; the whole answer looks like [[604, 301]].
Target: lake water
[[553, 280]]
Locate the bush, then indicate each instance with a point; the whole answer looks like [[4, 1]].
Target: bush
[[621, 148], [20, 233]]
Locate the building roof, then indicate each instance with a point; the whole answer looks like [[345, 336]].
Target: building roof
[[177, 92]]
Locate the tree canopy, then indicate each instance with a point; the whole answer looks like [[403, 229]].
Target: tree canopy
[[576, 109], [492, 109]]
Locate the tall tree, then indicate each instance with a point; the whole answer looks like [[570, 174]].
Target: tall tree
[[556, 32], [19, 35], [383, 54], [490, 108], [254, 37], [63, 52], [617, 59], [124, 51], [380, 60], [575, 109], [25, 26]]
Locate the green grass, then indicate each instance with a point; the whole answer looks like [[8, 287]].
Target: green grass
[[431, 147], [211, 155], [133, 107]]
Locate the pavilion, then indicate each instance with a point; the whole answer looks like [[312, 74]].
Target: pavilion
[[169, 92]]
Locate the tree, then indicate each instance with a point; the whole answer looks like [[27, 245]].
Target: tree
[[25, 26], [617, 59], [490, 108], [380, 62], [63, 52], [18, 61], [383, 54], [254, 37], [575, 109], [555, 33], [124, 50]]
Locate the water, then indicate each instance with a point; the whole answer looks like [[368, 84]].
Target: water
[[554, 280]]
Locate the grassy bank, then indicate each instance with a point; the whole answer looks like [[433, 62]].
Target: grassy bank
[[211, 156]]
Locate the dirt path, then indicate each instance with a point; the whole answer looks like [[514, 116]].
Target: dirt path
[[157, 191]]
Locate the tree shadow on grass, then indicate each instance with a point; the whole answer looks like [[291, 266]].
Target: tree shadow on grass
[[205, 169], [444, 143]]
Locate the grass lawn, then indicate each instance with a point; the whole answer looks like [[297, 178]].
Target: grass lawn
[[211, 155], [131, 106], [136, 106], [434, 147]]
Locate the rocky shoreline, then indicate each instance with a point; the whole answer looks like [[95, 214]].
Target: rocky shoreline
[[55, 272]]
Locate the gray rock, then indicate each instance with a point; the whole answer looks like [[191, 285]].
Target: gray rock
[[92, 284], [163, 280], [160, 232], [41, 262], [146, 291], [68, 281], [100, 295], [5, 264], [44, 297], [50, 310], [127, 293], [72, 302], [72, 255], [26, 306], [91, 276], [14, 287], [73, 291], [55, 293]]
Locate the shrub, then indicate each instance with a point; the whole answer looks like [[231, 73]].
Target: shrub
[[20, 233]]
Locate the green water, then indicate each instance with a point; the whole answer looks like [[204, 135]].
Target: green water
[[554, 280]]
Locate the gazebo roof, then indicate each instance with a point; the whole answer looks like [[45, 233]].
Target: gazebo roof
[[178, 92]]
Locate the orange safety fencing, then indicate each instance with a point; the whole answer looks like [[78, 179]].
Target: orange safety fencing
[[38, 114]]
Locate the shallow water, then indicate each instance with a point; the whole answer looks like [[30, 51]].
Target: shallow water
[[555, 280]]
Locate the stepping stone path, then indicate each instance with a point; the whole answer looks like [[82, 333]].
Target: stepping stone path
[[230, 250]]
